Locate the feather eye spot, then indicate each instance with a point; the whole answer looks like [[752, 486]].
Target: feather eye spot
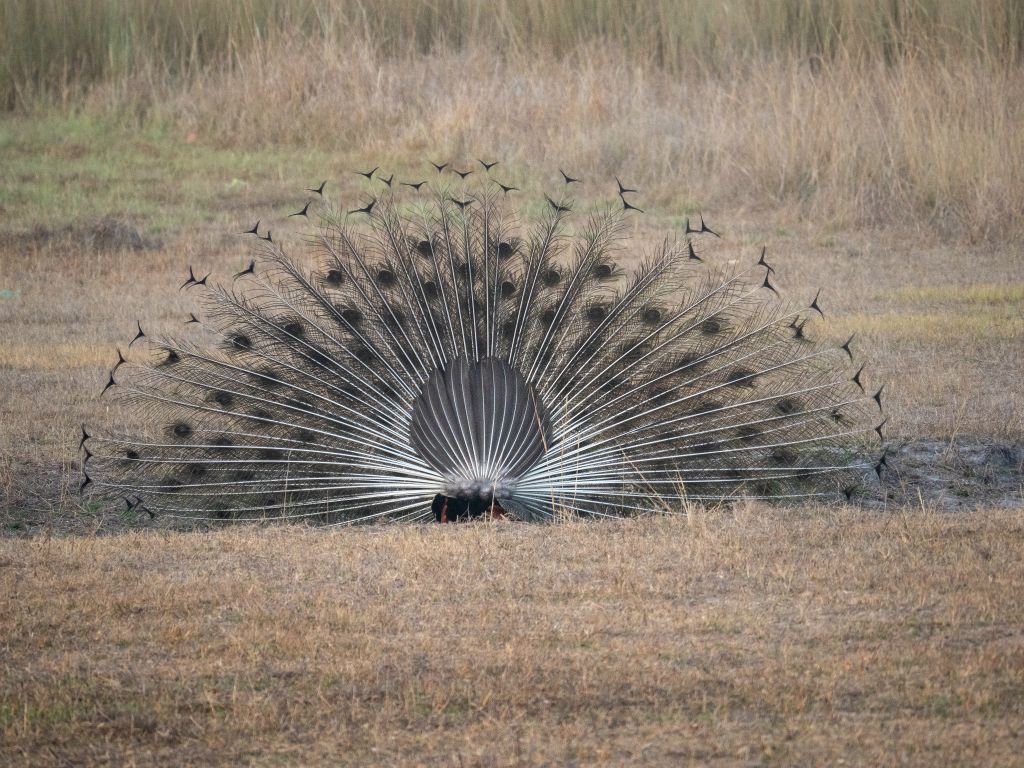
[[705, 407], [748, 432], [222, 398], [803, 475], [631, 354], [303, 496], [479, 306], [741, 377], [508, 288], [424, 249], [652, 316], [591, 348], [365, 354], [181, 430], [551, 277], [320, 358], [222, 441], [171, 485], [784, 455], [386, 278], [602, 271], [131, 454], [547, 317], [686, 360], [195, 471], [394, 318], [241, 341], [266, 377], [596, 313], [295, 328], [335, 278], [787, 406], [505, 250], [352, 316], [171, 358], [711, 326], [612, 383], [430, 289], [659, 396]]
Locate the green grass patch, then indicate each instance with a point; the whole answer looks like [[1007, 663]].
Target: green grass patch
[[987, 323], [58, 172]]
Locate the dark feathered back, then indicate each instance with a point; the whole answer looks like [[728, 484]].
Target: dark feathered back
[[480, 425]]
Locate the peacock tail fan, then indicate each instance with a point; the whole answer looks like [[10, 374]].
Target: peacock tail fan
[[444, 355]]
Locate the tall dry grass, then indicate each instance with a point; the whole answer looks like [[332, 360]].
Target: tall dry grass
[[929, 142], [59, 46], [846, 112]]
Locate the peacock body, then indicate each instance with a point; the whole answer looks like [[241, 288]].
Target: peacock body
[[445, 360]]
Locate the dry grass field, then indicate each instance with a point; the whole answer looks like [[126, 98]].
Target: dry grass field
[[757, 637], [874, 147]]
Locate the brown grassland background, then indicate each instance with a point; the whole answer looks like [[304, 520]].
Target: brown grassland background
[[875, 147]]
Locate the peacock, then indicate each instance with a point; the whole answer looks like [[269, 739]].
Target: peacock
[[435, 354]]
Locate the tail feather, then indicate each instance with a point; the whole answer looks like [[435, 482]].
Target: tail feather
[[449, 349]]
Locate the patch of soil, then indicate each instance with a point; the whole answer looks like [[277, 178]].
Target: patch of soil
[[953, 475]]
